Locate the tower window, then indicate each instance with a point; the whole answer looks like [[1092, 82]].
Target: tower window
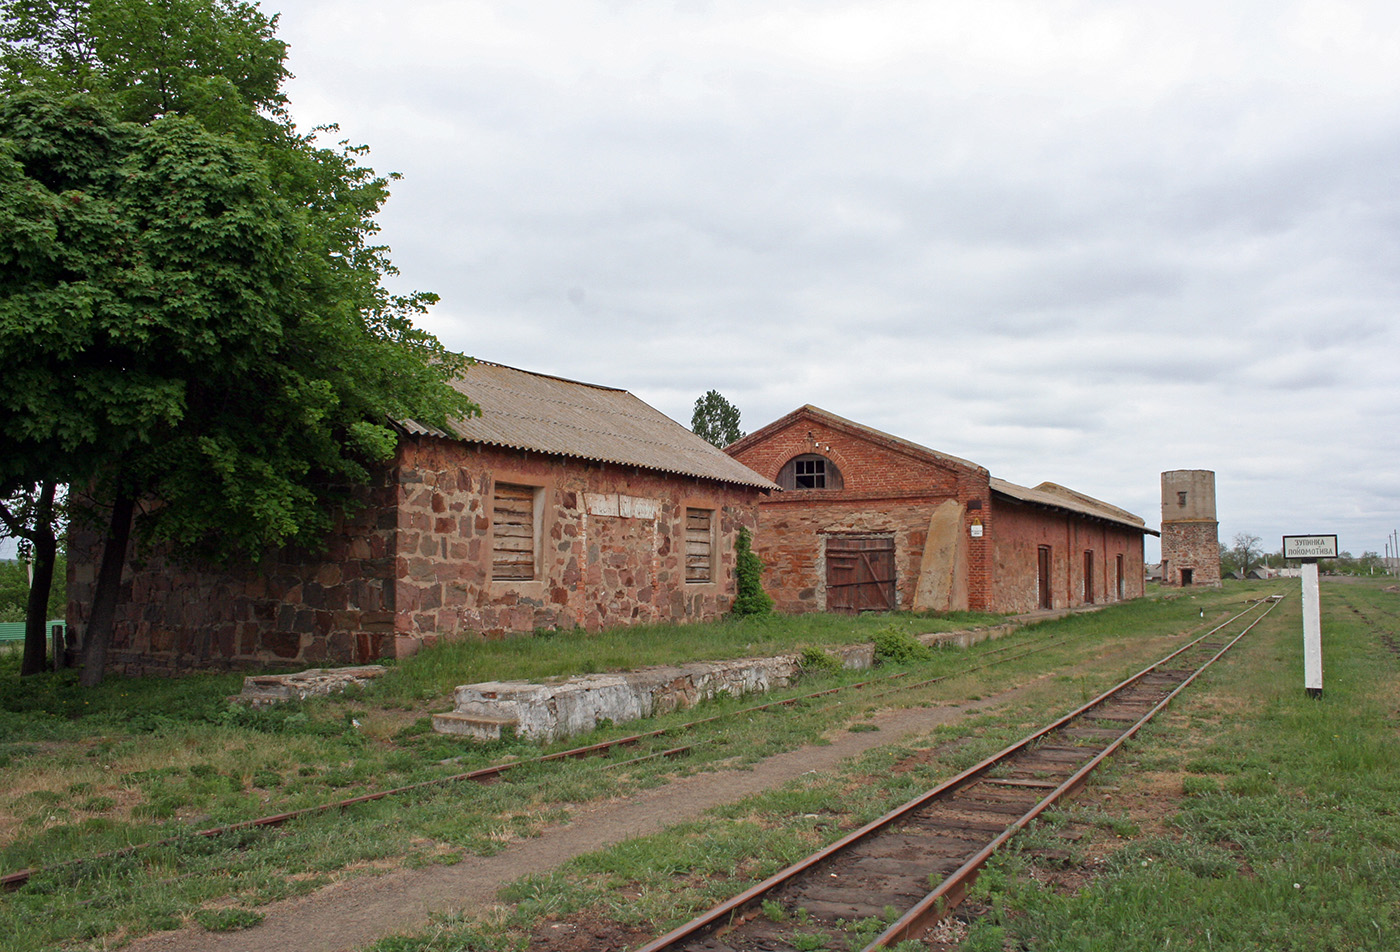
[[1181, 499]]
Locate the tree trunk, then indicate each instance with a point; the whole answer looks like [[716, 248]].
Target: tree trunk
[[36, 611], [104, 598]]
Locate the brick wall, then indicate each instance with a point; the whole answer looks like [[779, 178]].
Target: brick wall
[[1016, 533], [888, 489]]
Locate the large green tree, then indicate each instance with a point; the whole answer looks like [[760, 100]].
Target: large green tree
[[189, 287]]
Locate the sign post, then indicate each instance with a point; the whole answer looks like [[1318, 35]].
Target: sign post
[[1308, 549]]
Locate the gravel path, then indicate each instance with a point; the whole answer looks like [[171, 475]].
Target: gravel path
[[357, 912]]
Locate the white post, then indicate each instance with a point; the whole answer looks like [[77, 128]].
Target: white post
[[1312, 631]]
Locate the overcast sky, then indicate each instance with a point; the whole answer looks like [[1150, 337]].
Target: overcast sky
[[1080, 242]]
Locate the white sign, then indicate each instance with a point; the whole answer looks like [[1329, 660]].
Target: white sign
[[1310, 547], [619, 505]]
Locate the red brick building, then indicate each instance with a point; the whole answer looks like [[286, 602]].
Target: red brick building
[[564, 505], [870, 521]]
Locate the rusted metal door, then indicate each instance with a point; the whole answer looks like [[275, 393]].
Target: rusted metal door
[[859, 574]]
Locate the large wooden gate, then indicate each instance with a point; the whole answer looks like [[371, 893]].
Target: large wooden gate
[[860, 574]]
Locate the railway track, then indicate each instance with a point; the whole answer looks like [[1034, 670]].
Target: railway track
[[883, 686], [922, 857]]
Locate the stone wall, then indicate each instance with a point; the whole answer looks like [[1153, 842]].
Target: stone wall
[[291, 608], [610, 544], [1194, 546], [415, 565]]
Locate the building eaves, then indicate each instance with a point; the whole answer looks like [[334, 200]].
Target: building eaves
[[1054, 496]]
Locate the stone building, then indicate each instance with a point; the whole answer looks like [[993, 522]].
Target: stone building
[[1190, 532], [867, 520], [564, 505]]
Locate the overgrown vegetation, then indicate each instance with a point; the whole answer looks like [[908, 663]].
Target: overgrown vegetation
[[139, 760], [750, 599], [14, 590], [1283, 831]]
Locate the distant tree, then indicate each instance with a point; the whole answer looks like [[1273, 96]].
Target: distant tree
[[716, 419], [1247, 552], [34, 516]]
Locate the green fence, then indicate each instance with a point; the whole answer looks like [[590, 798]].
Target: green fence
[[14, 630]]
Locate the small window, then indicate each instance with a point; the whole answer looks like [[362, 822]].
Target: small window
[[699, 545], [514, 546], [1181, 499], [810, 471]]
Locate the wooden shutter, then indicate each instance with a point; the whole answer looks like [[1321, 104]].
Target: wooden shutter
[[513, 546], [698, 545]]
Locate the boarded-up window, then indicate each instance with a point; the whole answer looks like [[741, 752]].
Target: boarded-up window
[[513, 546], [699, 545]]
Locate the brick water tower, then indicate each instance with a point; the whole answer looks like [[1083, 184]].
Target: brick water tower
[[1190, 534]]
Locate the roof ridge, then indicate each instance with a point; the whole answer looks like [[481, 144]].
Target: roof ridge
[[536, 373]]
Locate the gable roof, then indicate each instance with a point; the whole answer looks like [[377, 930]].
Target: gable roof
[[1055, 496], [529, 411], [858, 430]]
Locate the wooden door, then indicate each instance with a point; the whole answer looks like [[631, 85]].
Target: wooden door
[[859, 574], [1043, 576]]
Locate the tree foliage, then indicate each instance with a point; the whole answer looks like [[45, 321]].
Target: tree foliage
[[1242, 556], [716, 420], [191, 300]]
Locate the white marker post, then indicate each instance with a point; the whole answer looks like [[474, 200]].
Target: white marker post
[[1308, 549]]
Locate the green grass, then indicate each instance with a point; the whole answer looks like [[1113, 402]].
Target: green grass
[[138, 760], [1287, 834], [551, 654]]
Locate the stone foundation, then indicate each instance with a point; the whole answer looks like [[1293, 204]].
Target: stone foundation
[[267, 689], [567, 706]]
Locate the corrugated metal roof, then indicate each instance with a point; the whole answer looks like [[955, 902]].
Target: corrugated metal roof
[[529, 411], [1058, 497]]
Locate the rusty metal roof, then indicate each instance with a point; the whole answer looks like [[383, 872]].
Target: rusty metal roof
[[1059, 497], [529, 411]]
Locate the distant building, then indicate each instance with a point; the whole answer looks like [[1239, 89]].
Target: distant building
[[869, 521], [1190, 532]]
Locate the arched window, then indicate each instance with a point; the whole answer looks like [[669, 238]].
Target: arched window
[[809, 471]]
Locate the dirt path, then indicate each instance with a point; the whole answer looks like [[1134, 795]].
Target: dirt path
[[357, 912]]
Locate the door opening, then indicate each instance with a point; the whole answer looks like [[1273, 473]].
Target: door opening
[[1043, 577]]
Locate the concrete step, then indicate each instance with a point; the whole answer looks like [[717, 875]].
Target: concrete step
[[474, 726]]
